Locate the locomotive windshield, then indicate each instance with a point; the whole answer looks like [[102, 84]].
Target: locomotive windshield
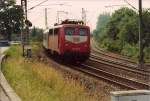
[[82, 32], [69, 31]]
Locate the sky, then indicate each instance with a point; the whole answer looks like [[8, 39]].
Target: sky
[[74, 8]]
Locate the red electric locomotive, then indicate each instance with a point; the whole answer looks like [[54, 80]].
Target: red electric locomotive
[[70, 39]]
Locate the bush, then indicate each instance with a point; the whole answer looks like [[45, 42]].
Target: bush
[[130, 51], [111, 45]]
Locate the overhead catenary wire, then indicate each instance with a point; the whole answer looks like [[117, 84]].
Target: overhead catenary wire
[[38, 5], [130, 5], [60, 4], [114, 5]]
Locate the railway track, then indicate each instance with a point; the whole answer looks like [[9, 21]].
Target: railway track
[[131, 70], [110, 77], [119, 71], [122, 68], [120, 65]]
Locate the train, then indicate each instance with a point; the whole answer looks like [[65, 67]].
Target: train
[[70, 40]]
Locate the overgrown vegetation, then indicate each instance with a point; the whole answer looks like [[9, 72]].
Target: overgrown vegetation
[[35, 81], [119, 32]]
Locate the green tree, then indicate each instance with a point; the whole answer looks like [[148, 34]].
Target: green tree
[[123, 25], [102, 21], [121, 32], [146, 27], [6, 3], [10, 18], [36, 34]]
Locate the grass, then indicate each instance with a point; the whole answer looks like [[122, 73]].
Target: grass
[[35, 81]]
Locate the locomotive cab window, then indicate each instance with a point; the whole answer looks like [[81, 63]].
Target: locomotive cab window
[[83, 32], [69, 31]]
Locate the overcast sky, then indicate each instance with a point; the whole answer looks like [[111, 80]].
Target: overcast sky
[[74, 7]]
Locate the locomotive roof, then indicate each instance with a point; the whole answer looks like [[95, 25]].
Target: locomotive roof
[[71, 25]]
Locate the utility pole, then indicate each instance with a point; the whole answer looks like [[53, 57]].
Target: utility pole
[[84, 15], [46, 18], [141, 47], [46, 24], [57, 18], [23, 4]]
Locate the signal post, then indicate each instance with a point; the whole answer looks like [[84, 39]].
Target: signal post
[[26, 48]]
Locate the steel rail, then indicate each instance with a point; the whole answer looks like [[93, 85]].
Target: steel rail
[[119, 80], [119, 65], [119, 61]]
